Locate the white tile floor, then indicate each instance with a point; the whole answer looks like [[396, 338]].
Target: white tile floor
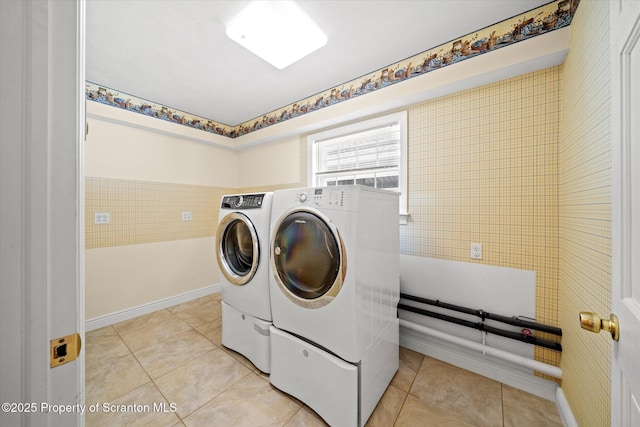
[[168, 368]]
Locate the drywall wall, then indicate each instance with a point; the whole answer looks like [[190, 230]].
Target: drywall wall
[[269, 164], [145, 178]]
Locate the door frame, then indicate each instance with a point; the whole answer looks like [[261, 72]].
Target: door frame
[[624, 27], [41, 220]]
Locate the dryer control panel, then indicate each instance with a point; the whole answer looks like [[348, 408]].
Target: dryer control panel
[[242, 201], [322, 196]]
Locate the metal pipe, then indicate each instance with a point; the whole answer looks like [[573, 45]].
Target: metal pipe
[[515, 321], [481, 326], [534, 365]]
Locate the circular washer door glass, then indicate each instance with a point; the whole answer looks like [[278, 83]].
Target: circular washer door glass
[[237, 247], [306, 255]]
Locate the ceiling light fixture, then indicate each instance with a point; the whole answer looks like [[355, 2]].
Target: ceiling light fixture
[[279, 32]]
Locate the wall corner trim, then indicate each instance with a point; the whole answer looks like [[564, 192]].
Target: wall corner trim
[[564, 409]]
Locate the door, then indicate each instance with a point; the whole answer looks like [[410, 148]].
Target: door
[[625, 287], [308, 258], [41, 220], [237, 248]]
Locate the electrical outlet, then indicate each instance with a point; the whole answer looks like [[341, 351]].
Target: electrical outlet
[[101, 218], [476, 251], [186, 216]]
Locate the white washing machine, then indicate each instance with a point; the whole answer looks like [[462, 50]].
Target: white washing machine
[[334, 289], [242, 240]]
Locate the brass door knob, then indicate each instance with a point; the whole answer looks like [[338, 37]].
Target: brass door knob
[[592, 322]]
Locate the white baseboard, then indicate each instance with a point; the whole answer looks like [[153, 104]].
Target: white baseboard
[[565, 410], [486, 366], [130, 313]]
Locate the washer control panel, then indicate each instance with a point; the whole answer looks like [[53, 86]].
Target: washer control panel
[[242, 201], [321, 196]]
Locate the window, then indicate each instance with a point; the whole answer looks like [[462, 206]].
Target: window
[[372, 153]]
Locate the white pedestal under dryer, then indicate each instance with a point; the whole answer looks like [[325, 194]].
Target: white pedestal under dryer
[[242, 240], [334, 290]]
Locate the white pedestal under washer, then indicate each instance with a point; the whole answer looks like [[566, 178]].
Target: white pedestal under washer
[[334, 288], [242, 240]]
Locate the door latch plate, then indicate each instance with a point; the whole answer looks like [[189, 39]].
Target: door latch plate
[[64, 349]]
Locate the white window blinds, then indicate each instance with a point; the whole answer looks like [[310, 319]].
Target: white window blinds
[[370, 152], [368, 157]]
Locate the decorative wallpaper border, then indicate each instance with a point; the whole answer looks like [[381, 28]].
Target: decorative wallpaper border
[[546, 18]]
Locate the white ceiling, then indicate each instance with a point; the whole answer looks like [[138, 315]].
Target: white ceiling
[[176, 52]]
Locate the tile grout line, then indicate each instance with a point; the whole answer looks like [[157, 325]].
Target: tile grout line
[[151, 379], [404, 401], [137, 361], [502, 402], [166, 373]]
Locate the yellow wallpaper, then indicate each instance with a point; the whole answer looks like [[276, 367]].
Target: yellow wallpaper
[[585, 214], [483, 168], [145, 212]]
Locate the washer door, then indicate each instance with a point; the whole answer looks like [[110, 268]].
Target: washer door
[[237, 248], [308, 259]]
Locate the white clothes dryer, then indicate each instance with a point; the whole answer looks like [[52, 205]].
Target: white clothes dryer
[[242, 240], [334, 288]]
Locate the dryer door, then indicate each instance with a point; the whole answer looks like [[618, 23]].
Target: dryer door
[[237, 248], [308, 259]]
